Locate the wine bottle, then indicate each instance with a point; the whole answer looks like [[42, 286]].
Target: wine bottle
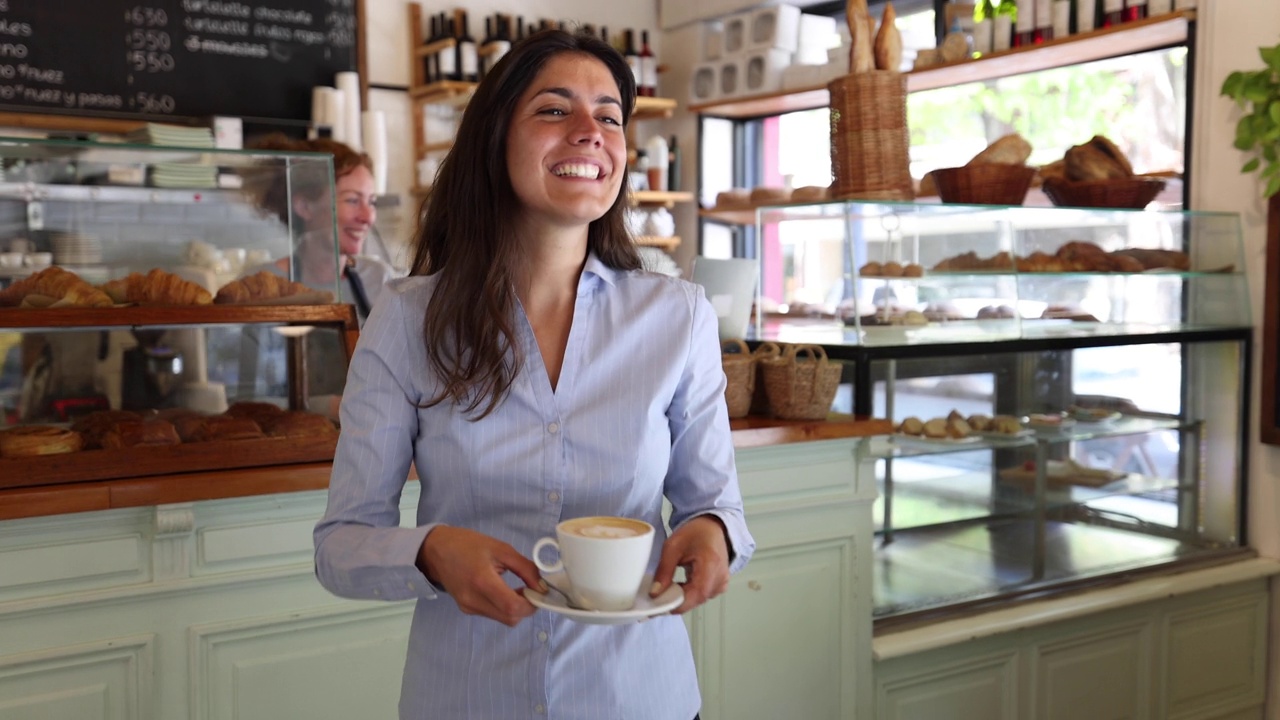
[[430, 72], [648, 68], [447, 59], [1134, 10], [1024, 23], [673, 165], [502, 41], [1002, 28], [468, 58], [1112, 13], [633, 58], [1044, 21], [485, 48]]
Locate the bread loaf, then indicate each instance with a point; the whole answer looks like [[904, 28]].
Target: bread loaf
[[34, 440], [1097, 159], [299, 424], [259, 412], [94, 426], [156, 287], [225, 427], [264, 285], [861, 54], [64, 286], [137, 433], [1012, 149], [888, 42], [911, 426]]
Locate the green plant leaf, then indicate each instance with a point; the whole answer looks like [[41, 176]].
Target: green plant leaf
[[1257, 87], [1233, 86], [1251, 165], [1269, 170], [1273, 187], [1244, 134], [1271, 57], [1269, 152], [1274, 111]]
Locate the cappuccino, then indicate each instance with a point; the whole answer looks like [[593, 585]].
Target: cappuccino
[[605, 527]]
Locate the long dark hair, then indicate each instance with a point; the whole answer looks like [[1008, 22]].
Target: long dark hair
[[467, 235]]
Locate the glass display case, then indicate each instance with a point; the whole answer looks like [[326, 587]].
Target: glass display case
[[1070, 386], [163, 284]]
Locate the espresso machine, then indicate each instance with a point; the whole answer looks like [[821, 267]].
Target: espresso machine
[[151, 371]]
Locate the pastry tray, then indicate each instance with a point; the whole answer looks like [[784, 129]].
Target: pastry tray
[[90, 465]]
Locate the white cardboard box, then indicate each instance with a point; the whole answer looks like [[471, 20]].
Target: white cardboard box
[[704, 83], [762, 70], [736, 28], [730, 79], [817, 35], [774, 27], [712, 40]]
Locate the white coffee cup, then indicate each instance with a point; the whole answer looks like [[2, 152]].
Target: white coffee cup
[[605, 558]]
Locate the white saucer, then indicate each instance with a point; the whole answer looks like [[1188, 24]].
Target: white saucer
[[645, 607]]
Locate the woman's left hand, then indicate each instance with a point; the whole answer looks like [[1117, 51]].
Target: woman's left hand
[[700, 547]]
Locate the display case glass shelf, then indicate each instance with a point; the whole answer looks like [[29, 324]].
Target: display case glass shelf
[[900, 274], [132, 345]]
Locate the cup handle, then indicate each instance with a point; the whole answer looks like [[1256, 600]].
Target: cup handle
[[545, 567]]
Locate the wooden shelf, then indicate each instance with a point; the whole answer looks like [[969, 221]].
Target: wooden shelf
[[653, 108], [1134, 37], [443, 92], [743, 216], [666, 243], [176, 315], [666, 199]]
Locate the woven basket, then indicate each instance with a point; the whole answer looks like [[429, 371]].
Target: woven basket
[[984, 183], [740, 376], [1134, 192], [801, 383], [869, 140], [760, 399]]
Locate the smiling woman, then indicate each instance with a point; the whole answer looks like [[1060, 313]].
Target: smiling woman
[[532, 372]]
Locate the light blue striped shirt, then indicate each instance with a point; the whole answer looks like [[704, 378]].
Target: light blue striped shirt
[[638, 413]]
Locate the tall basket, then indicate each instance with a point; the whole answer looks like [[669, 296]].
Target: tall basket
[[869, 138]]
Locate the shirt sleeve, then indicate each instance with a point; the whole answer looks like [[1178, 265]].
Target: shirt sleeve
[[702, 478], [361, 550]]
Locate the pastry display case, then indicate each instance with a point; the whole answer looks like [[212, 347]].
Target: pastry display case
[[153, 320], [1069, 387]]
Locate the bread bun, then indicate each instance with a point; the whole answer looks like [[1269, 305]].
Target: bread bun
[[871, 269], [936, 428], [811, 193], [891, 269], [980, 422], [299, 424], [732, 199], [94, 426], [911, 426], [912, 270], [225, 427], [136, 433], [34, 440], [958, 428], [770, 195], [1012, 149]]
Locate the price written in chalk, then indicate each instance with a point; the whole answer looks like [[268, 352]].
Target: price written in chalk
[[148, 40], [146, 16], [149, 61], [152, 103]]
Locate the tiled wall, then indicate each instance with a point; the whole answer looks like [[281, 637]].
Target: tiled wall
[[138, 236]]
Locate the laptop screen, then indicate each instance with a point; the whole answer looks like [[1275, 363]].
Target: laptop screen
[[730, 285]]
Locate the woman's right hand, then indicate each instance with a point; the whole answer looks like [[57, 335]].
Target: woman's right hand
[[469, 566]]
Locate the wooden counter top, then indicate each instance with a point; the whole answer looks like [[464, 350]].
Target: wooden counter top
[[25, 502]]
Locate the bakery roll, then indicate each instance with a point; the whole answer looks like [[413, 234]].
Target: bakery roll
[[33, 440], [156, 287], [63, 287], [259, 412], [94, 426], [733, 198], [299, 424], [225, 427], [770, 195], [261, 286], [1012, 149], [136, 433], [811, 193], [911, 426], [1097, 159]]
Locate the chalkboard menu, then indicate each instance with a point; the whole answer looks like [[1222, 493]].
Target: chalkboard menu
[[163, 59]]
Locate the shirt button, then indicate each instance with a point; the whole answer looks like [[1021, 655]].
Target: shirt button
[[539, 708], [410, 586], [553, 428], [553, 496], [542, 636]]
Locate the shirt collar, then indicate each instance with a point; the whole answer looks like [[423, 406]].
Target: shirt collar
[[597, 267]]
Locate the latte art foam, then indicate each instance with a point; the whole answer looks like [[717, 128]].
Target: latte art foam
[[605, 528], [605, 531]]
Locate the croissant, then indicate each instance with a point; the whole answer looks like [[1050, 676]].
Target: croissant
[[65, 287], [264, 285], [157, 287]]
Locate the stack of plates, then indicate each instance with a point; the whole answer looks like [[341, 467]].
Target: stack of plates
[[75, 249], [172, 135], [174, 175]]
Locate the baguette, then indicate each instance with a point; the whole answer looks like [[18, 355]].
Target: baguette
[[888, 44], [861, 55]]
